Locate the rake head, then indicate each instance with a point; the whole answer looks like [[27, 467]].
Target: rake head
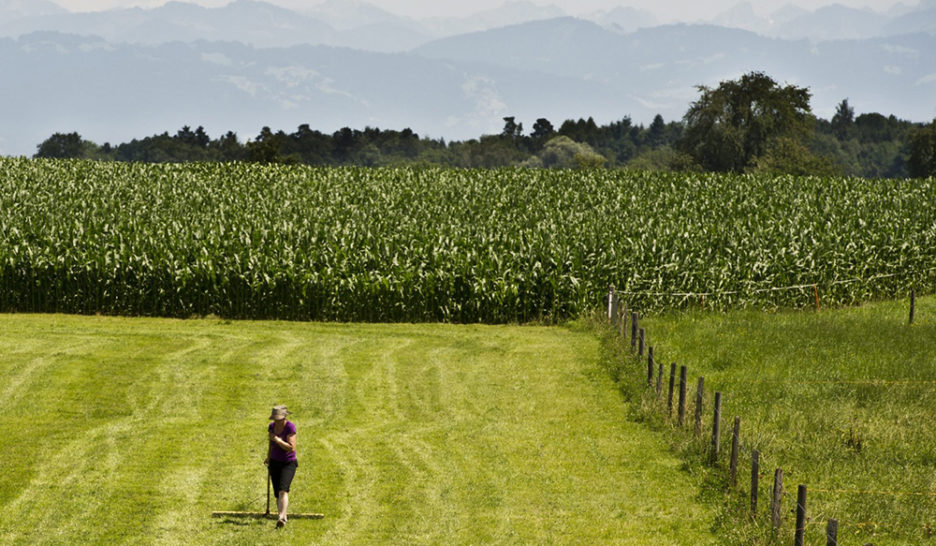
[[266, 515]]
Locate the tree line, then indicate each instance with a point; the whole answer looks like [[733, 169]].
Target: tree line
[[752, 124]]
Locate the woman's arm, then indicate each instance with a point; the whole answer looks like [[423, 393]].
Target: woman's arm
[[286, 446]]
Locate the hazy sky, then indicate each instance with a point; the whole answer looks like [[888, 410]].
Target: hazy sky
[[665, 10]]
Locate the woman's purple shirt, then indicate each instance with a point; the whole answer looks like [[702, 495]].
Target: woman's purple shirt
[[276, 452]]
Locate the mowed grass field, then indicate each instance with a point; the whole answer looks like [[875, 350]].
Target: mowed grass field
[[119, 430], [843, 400]]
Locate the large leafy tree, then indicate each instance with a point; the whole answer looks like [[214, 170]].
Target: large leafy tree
[[728, 128]]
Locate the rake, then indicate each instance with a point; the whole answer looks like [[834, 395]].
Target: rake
[[266, 514]]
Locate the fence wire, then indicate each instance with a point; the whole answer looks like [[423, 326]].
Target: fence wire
[[813, 285]]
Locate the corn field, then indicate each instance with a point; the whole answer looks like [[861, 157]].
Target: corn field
[[433, 244]]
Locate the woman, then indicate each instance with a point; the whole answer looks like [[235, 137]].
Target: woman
[[281, 458]]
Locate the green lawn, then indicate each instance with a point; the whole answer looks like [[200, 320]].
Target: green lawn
[[843, 400], [134, 430]]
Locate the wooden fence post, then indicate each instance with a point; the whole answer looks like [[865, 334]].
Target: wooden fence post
[[650, 366], [623, 321], [800, 516], [735, 438], [672, 381], [831, 533], [755, 461], [775, 499], [642, 334], [912, 305], [635, 318], [698, 407], [682, 395], [659, 385], [716, 428], [611, 304]]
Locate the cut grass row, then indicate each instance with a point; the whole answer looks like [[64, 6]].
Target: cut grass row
[[134, 430], [842, 400]]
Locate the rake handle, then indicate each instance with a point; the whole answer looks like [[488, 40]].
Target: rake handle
[[268, 491]]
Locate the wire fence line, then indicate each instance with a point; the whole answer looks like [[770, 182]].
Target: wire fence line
[[813, 285], [872, 382], [875, 492], [617, 316]]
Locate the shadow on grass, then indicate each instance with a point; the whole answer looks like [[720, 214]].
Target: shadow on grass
[[255, 519], [239, 522]]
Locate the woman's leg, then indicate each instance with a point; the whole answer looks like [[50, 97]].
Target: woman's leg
[[282, 503]]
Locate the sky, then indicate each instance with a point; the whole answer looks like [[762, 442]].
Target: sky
[[664, 10]]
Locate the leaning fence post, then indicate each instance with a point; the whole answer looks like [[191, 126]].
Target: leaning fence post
[[716, 428], [659, 385], [640, 343], [635, 319], [650, 366], [698, 407], [735, 433], [831, 533], [775, 498], [682, 395], [672, 381], [800, 516], [755, 456]]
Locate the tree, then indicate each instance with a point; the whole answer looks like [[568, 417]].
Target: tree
[[562, 152], [581, 131], [790, 156], [663, 158], [542, 129], [64, 146], [922, 160], [512, 129], [229, 147], [656, 133], [270, 147], [843, 120], [315, 147], [729, 127], [196, 139]]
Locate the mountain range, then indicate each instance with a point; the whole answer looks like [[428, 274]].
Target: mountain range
[[361, 25], [126, 73]]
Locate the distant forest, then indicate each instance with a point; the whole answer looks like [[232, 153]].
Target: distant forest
[[739, 119]]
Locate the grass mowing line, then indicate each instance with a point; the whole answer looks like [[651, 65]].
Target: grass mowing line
[[408, 433]]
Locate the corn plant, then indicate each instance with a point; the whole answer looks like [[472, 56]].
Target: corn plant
[[434, 244]]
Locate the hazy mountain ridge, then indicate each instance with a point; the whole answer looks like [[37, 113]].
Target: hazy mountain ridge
[[109, 92], [365, 26], [459, 87], [358, 24], [256, 23], [660, 66], [12, 10]]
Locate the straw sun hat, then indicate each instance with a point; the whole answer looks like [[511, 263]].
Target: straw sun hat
[[279, 412]]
